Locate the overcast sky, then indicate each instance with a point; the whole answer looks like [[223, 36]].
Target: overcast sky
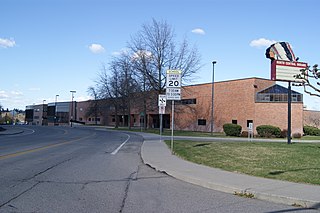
[[49, 47]]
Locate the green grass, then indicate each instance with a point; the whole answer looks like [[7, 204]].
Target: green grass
[[167, 132], [298, 162]]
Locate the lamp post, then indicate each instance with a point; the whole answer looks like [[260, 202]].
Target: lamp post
[[212, 96], [43, 112], [72, 96], [55, 110]]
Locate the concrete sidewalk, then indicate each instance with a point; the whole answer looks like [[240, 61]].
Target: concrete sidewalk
[[156, 154]]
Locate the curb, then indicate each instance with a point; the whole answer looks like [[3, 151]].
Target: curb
[[244, 192], [11, 133]]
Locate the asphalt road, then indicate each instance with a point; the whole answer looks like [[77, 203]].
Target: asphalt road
[[63, 169]]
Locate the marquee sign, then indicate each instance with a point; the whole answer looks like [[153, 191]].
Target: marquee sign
[[286, 70]]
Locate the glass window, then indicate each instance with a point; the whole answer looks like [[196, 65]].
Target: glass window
[[202, 122]]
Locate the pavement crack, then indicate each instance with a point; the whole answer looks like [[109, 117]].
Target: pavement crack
[[44, 171], [133, 176], [18, 195]]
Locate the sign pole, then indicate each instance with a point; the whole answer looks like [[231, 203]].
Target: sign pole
[[162, 110], [172, 126], [160, 127], [289, 113], [173, 92]]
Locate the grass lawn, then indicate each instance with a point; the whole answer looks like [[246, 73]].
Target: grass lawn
[[167, 132], [298, 162]]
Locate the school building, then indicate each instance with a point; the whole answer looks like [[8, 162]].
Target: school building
[[242, 101]]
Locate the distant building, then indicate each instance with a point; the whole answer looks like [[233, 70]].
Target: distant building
[[36, 114], [12, 117]]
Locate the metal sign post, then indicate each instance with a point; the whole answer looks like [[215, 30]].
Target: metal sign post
[[172, 126], [173, 92], [289, 113]]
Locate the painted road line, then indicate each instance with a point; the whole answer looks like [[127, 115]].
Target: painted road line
[[117, 150], [42, 148]]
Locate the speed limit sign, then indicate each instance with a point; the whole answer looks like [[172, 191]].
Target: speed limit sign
[[173, 85], [173, 79]]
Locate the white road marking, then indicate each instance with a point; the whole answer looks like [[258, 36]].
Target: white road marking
[[117, 150]]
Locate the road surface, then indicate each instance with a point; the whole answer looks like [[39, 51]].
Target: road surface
[[63, 169]]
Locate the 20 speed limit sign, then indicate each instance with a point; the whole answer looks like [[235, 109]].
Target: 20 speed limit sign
[[173, 79], [173, 85]]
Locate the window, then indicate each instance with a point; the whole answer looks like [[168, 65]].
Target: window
[[277, 93], [248, 122], [80, 119], [98, 119], [202, 122], [187, 101], [234, 121], [89, 119], [113, 118]]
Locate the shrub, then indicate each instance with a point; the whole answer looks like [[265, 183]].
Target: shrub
[[310, 130], [268, 131], [296, 135], [244, 134], [284, 133], [232, 129]]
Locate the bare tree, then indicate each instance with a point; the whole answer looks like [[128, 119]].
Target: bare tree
[[155, 51], [310, 80], [160, 52], [93, 109], [107, 87], [128, 84]]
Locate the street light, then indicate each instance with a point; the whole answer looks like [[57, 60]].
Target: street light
[[55, 110], [43, 112], [212, 96], [72, 96]]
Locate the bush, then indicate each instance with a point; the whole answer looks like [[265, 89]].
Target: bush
[[232, 129], [310, 130], [268, 131], [284, 133], [297, 135], [244, 134]]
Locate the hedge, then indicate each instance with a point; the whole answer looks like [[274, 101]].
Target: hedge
[[310, 130], [268, 131], [232, 129]]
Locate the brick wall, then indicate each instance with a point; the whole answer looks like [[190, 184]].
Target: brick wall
[[234, 100]]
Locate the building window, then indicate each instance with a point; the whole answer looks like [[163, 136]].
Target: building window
[[80, 119], [277, 93], [187, 101], [202, 122], [235, 121], [89, 119], [249, 122], [98, 119], [113, 118]]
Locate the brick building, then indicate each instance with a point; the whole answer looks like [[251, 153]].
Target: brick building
[[252, 100], [243, 101]]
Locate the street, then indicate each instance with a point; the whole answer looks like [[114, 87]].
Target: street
[[89, 169]]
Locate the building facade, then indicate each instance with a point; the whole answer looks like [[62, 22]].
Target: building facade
[[247, 101], [253, 100]]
